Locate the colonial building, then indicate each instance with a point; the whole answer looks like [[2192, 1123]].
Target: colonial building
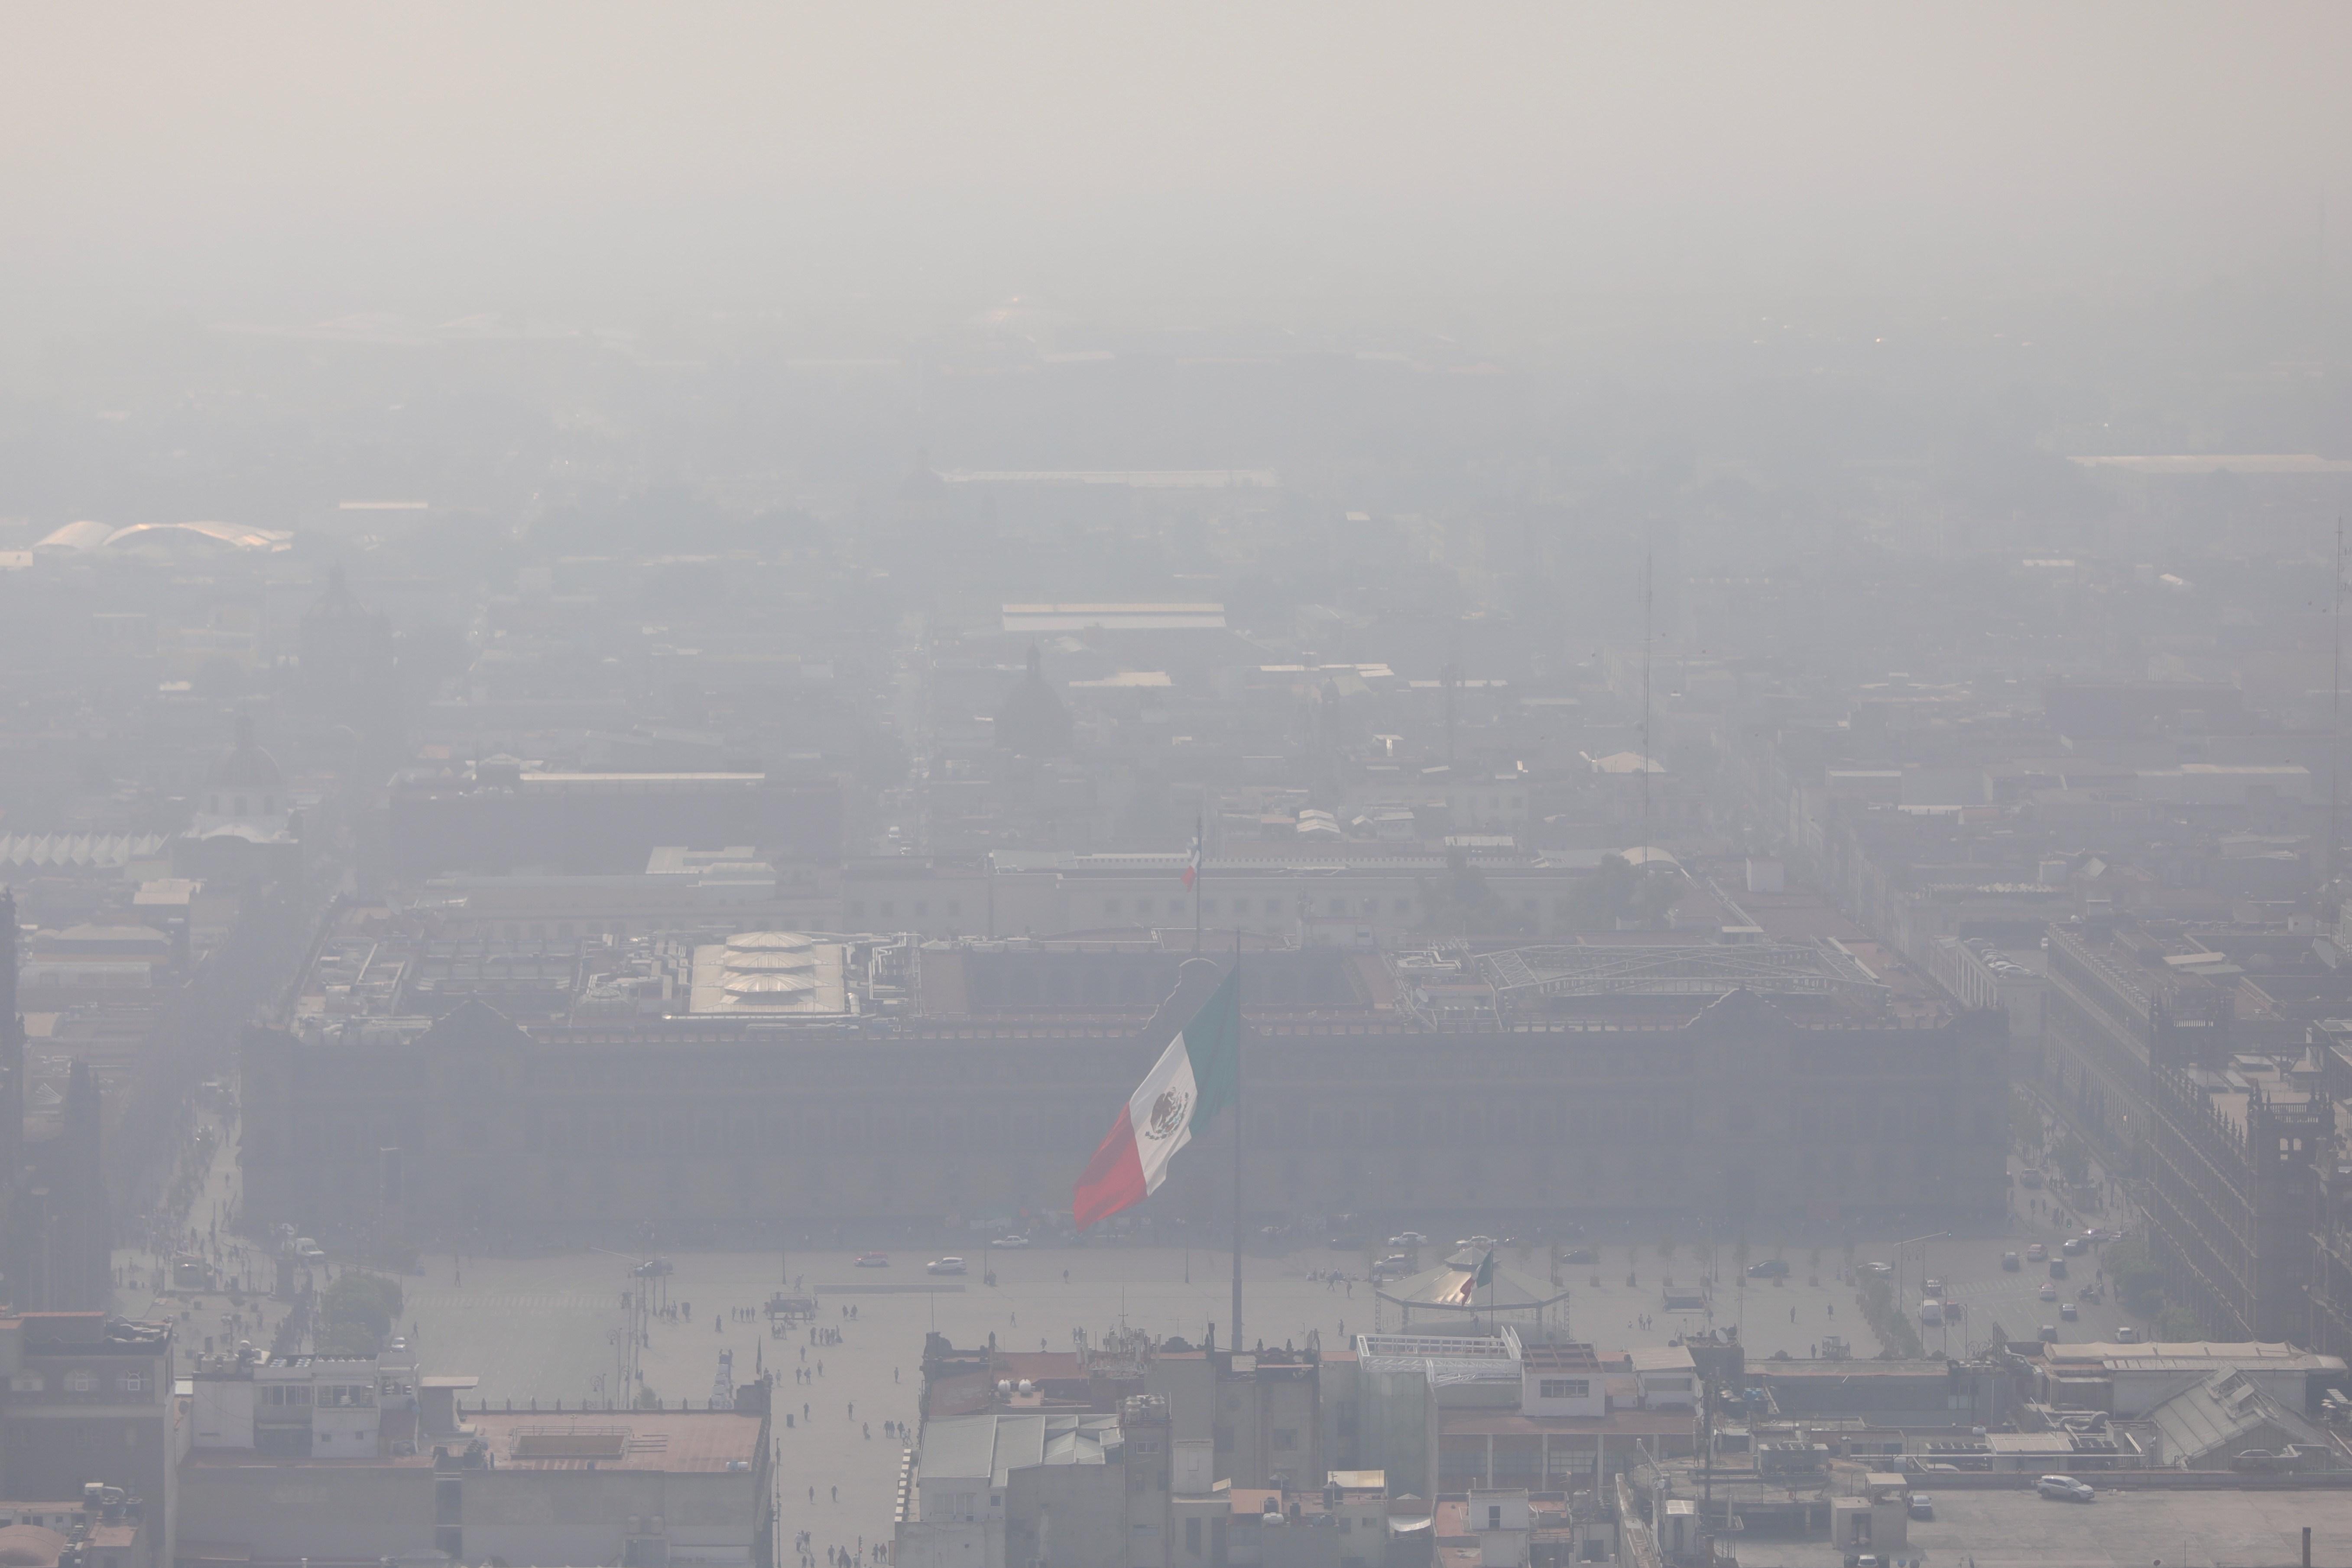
[[974, 1080]]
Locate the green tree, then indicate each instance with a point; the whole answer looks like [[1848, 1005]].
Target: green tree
[[356, 1314], [2178, 1322], [2139, 1284]]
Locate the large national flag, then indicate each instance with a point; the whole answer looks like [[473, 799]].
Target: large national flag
[[1481, 1275], [1193, 860], [1194, 1078]]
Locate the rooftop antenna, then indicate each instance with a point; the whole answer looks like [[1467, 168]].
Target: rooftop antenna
[[1649, 566], [2335, 707]]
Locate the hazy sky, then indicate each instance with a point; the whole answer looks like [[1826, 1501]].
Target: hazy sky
[[289, 161]]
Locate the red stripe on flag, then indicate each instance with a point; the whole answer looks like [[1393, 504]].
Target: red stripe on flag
[[1113, 1179], [1191, 872]]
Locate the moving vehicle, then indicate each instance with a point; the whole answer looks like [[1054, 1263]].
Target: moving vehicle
[[2048, 1292], [1010, 1241], [2037, 1253], [1770, 1268], [2126, 1335], [1923, 1506], [2049, 1335], [1394, 1267], [2057, 1269], [873, 1260], [2073, 1247], [1408, 1239], [2065, 1488], [2262, 1461], [2009, 1262], [1876, 1267], [2028, 1179], [308, 1251], [2067, 1312], [1931, 1312], [948, 1265], [1581, 1256]]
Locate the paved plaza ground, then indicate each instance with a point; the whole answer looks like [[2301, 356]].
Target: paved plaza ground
[[549, 1329]]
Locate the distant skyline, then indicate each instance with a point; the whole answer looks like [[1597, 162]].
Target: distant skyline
[[1510, 166]]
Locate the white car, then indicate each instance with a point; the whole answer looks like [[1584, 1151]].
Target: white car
[[1010, 1241], [2065, 1488], [948, 1265]]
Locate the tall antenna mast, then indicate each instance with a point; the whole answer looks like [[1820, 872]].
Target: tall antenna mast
[[2335, 708], [1649, 565]]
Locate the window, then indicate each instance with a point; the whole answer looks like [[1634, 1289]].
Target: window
[[1286, 1438], [1193, 1538], [857, 907], [1494, 1516], [888, 909], [131, 1383], [955, 906], [79, 1382], [1274, 906], [1175, 906], [1671, 1385], [1404, 906], [1565, 1388]]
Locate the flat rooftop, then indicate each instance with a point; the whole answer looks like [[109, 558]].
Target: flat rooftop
[[669, 1441]]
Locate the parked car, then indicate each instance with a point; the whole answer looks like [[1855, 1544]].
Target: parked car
[[1580, 1257], [2028, 1178], [1923, 1506], [2073, 1247], [2065, 1488], [1395, 1267], [1408, 1239], [2126, 1335], [1931, 1312], [2009, 1261], [1015, 1240], [1876, 1267], [2048, 1292], [873, 1260], [2067, 1312], [2037, 1253], [2262, 1461], [1770, 1268], [948, 1265], [2057, 1269], [2049, 1335]]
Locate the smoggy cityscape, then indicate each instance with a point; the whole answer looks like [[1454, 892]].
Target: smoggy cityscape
[[1174, 788]]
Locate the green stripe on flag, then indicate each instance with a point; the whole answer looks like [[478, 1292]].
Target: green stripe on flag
[[1212, 1041]]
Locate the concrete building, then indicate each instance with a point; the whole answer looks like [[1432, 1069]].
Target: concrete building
[[2233, 1157], [630, 1487], [90, 1401], [973, 1079]]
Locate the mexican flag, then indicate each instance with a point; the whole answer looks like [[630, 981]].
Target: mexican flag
[[1481, 1275], [1194, 1078]]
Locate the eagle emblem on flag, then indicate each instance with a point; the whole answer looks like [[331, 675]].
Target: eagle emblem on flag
[[1167, 1114]]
